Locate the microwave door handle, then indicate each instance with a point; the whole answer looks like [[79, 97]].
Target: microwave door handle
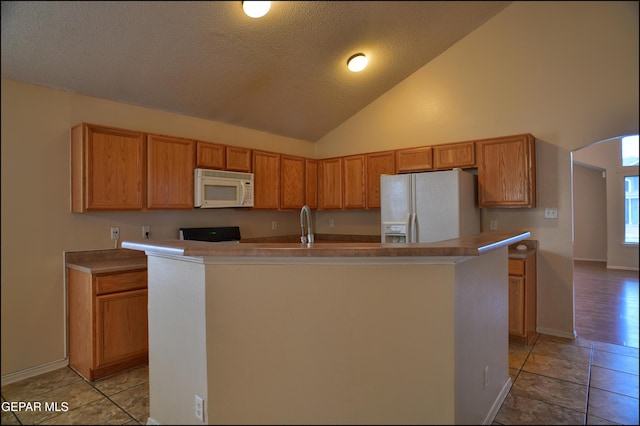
[[244, 194]]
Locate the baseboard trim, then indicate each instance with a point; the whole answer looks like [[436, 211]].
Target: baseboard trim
[[498, 403], [557, 333], [34, 371]]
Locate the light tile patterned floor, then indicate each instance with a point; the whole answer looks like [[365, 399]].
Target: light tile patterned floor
[[555, 381]]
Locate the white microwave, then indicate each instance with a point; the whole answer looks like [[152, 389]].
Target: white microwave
[[221, 188]]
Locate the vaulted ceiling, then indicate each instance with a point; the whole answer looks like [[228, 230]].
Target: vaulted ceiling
[[284, 73]]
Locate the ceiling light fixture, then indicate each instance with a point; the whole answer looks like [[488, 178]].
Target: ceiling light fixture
[[256, 9], [357, 62]]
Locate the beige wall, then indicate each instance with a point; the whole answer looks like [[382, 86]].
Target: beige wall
[[567, 72], [606, 156], [589, 214], [37, 225]]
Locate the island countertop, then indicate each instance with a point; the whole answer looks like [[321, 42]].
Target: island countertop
[[472, 245]]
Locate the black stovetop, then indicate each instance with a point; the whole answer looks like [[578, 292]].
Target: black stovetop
[[213, 234]]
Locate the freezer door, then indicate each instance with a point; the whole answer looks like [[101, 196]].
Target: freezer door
[[437, 206], [395, 202]]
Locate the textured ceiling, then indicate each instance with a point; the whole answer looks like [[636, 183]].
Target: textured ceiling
[[284, 73]]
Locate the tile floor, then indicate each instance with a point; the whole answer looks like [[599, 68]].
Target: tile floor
[[121, 399], [573, 382], [555, 381]]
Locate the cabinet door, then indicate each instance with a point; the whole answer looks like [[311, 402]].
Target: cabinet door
[[354, 173], [330, 183], [451, 156], [210, 156], [414, 159], [311, 183], [507, 172], [516, 305], [238, 159], [107, 169], [266, 169], [121, 326], [378, 163], [170, 163], [292, 182]]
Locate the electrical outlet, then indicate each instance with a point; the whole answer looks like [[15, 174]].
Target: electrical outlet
[[550, 213], [199, 408], [331, 223], [115, 233], [493, 225], [274, 225], [146, 231]]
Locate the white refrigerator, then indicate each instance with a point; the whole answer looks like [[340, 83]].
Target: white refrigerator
[[428, 207]]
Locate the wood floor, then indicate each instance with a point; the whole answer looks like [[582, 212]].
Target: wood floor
[[606, 303]]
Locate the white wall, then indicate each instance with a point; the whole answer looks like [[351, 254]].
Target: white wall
[[566, 72]]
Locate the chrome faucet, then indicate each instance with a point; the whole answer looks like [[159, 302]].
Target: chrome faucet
[[306, 211]]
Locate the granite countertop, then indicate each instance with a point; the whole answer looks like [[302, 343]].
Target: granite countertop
[[472, 245], [104, 261]]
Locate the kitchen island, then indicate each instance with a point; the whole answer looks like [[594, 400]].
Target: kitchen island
[[328, 333]]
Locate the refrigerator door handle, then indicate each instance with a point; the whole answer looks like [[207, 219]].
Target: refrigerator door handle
[[414, 229]]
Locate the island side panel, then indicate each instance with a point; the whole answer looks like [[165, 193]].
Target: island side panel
[[177, 340], [330, 343], [482, 337]]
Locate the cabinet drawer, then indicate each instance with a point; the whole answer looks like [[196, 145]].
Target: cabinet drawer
[[124, 281], [516, 267]]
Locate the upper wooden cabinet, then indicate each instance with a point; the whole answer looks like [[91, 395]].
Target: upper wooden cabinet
[[414, 159], [311, 183], [507, 171], [330, 183], [107, 169], [292, 182], [170, 164], [354, 174], [266, 169], [378, 163], [456, 155], [238, 159], [210, 156]]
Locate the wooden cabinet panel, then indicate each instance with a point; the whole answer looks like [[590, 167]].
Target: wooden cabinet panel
[[266, 169], [516, 305], [414, 159], [455, 155], [107, 169], [107, 332], [522, 298], [210, 156], [330, 183], [118, 282], [292, 182], [507, 172], [378, 163], [311, 183], [170, 164], [354, 174], [122, 329], [238, 159]]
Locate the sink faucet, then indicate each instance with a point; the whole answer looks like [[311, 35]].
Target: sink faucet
[[306, 212]]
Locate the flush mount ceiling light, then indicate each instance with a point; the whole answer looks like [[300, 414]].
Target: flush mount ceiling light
[[357, 62], [256, 9]]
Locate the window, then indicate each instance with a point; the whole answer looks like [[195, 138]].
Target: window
[[629, 149]]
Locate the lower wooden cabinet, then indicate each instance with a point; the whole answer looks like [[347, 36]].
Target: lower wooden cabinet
[[522, 298], [107, 321]]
